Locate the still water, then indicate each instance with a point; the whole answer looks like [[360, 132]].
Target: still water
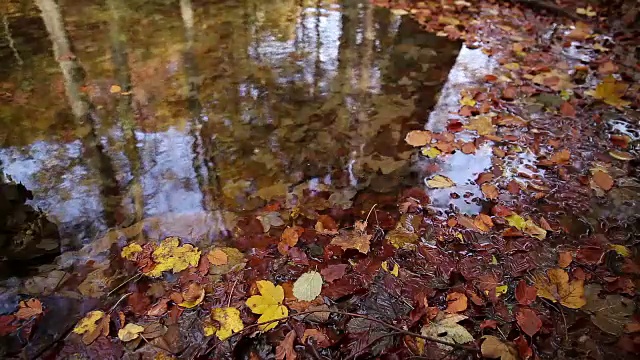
[[116, 111]]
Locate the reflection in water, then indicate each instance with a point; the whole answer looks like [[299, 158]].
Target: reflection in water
[[217, 107]]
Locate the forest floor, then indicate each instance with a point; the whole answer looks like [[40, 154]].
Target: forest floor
[[548, 269]]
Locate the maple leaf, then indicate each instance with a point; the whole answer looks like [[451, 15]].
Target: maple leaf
[[130, 251], [285, 349], [170, 256], [29, 309], [493, 348], [229, 322], [557, 288], [308, 286], [268, 304], [130, 332], [440, 182], [353, 240], [611, 92]]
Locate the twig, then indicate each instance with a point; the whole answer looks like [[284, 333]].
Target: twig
[[118, 302], [138, 274], [369, 214], [564, 320], [364, 348], [231, 293]]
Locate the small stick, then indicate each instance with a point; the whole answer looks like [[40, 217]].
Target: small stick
[[369, 214], [138, 274], [118, 302], [231, 293]]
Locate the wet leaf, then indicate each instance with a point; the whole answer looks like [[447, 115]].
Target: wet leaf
[[217, 257], [446, 328], [482, 124], [89, 322], [564, 259], [490, 191], [556, 287], [603, 180], [171, 256], [270, 219], [285, 350], [333, 272], [467, 101], [28, 309], [620, 249], [308, 286], [129, 252], [130, 332], [353, 240], [229, 322], [319, 337], [457, 302], [440, 182], [268, 304], [418, 138], [430, 152], [494, 348], [621, 155], [528, 321], [273, 191], [611, 313], [588, 11], [395, 271], [610, 91], [528, 226], [115, 89], [401, 238], [192, 296]]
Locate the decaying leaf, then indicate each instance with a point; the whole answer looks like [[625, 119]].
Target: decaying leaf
[[528, 321], [457, 302], [353, 240], [494, 348], [603, 180], [440, 182], [445, 327], [192, 296], [611, 313], [217, 257], [285, 350], [395, 271], [89, 322], [130, 332], [308, 286], [555, 286], [481, 124], [268, 304], [171, 256], [333, 272]]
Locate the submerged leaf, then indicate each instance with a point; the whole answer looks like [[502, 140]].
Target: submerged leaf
[[611, 92], [440, 182], [612, 313]]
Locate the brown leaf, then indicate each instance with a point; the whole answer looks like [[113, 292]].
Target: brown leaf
[[102, 328], [360, 242], [561, 157], [326, 225], [528, 321], [489, 324], [468, 223], [192, 293], [418, 138], [457, 302], [555, 286], [217, 257], [525, 294], [493, 348], [603, 180], [564, 259], [523, 347], [285, 349], [319, 337], [333, 272], [567, 109], [29, 309], [490, 191], [160, 308], [484, 177], [468, 148]]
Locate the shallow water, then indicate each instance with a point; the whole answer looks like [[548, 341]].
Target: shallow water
[[117, 111]]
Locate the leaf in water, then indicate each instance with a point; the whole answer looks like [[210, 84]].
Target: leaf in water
[[28, 309], [564, 259], [235, 261], [493, 348], [611, 92], [130, 251], [446, 328], [528, 321], [395, 271], [621, 155], [611, 313], [285, 350], [270, 219], [490, 191], [401, 238], [555, 286], [440, 182], [115, 89], [528, 226], [418, 138], [96, 283], [268, 304], [588, 11], [130, 332], [457, 302], [430, 152], [171, 256], [273, 191], [353, 240], [217, 257], [467, 101], [482, 124], [92, 326], [308, 286], [229, 320], [342, 199]]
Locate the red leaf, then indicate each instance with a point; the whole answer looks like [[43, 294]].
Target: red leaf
[[528, 321], [523, 347], [525, 294], [491, 324], [333, 272], [567, 109], [285, 348], [6, 327]]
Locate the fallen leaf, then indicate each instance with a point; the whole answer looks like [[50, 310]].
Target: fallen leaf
[[395, 271], [285, 349], [528, 226], [321, 340], [192, 296], [493, 348], [418, 138], [171, 256], [353, 240], [557, 288], [130, 332], [620, 249], [217, 257], [525, 294], [561, 157], [445, 327], [28, 309], [333, 272], [611, 313], [610, 91], [490, 191], [440, 182], [467, 101], [564, 259], [468, 148], [270, 219], [89, 323], [621, 155], [129, 252], [114, 89], [588, 11], [457, 302], [481, 124], [308, 286], [431, 152], [268, 304], [229, 322], [603, 180], [528, 321], [277, 190], [401, 238]]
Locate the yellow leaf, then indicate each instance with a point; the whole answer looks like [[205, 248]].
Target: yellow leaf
[[622, 250], [448, 20], [130, 332], [440, 182], [229, 320], [557, 288], [502, 289], [89, 322], [268, 303], [114, 89], [129, 251], [482, 124], [494, 261], [611, 92], [209, 329], [588, 11], [170, 256], [431, 152], [512, 66], [467, 101], [194, 303], [396, 269]]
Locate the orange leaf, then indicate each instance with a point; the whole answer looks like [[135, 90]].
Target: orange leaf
[[457, 302], [603, 180], [556, 287], [490, 191], [564, 259], [285, 349], [29, 309], [217, 257], [528, 321]]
